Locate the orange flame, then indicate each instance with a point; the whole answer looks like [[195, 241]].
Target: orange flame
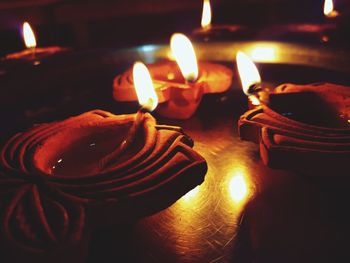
[[206, 15], [248, 72], [144, 87], [185, 56], [28, 35], [328, 9]]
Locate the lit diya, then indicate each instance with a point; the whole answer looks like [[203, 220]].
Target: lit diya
[[179, 85], [98, 168], [301, 127], [33, 53], [209, 31], [308, 32]]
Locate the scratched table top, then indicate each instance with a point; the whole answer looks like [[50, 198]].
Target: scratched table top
[[243, 211]]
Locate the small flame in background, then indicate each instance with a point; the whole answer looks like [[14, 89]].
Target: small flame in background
[[248, 72], [206, 15], [328, 9], [144, 87], [28, 36], [185, 56]]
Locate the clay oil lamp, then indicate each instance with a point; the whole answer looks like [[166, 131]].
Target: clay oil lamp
[[298, 127], [209, 31], [32, 54], [96, 167], [307, 32], [179, 85]]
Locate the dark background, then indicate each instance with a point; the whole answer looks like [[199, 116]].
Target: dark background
[[117, 23]]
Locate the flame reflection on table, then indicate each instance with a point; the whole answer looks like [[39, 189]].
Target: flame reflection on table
[[238, 188], [204, 222]]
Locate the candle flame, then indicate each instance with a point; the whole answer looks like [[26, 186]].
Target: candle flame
[[328, 9], [28, 35], [206, 15], [183, 52], [144, 87], [248, 72]]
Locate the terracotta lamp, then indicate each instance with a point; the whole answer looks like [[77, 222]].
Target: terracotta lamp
[[327, 30], [179, 85], [33, 53], [209, 31], [301, 127], [98, 168]]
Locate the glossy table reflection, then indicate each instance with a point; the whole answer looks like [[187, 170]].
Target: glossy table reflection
[[202, 225], [244, 211]]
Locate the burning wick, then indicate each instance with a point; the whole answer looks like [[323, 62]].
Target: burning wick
[[146, 95], [145, 92], [251, 80], [148, 100]]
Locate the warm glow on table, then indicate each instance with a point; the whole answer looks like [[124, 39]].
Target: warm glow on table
[[191, 194], [238, 188], [264, 53]]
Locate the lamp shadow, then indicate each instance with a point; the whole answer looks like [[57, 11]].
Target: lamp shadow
[[305, 220]]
